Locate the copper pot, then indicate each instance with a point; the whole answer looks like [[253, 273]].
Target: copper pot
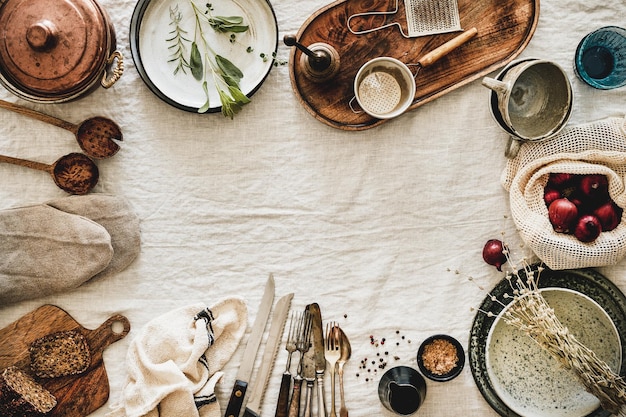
[[53, 51]]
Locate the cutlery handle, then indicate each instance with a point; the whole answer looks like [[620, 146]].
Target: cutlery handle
[[282, 406], [294, 405], [343, 411], [26, 163], [38, 116], [321, 402], [236, 399], [308, 398]]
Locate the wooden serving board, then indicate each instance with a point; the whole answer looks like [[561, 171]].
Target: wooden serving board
[[77, 395], [504, 29]]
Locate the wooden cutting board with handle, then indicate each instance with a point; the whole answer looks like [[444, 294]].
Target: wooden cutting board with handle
[[77, 395]]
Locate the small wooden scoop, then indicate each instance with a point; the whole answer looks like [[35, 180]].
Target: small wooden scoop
[[74, 173], [95, 136]]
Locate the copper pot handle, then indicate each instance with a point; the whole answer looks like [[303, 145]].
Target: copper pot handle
[[117, 71]]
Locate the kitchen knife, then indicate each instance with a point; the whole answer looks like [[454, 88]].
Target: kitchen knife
[[320, 359], [249, 355], [253, 407]]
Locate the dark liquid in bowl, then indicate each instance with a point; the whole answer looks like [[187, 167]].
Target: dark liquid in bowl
[[598, 62], [403, 399]]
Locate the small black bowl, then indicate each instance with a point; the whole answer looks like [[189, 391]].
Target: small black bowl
[[452, 373]]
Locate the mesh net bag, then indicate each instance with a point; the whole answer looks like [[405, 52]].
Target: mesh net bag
[[593, 148]]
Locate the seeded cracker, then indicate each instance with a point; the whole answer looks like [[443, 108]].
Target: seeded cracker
[[60, 354], [21, 396]]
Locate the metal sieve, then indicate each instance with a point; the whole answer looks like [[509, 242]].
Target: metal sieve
[[380, 92], [385, 87], [423, 17]]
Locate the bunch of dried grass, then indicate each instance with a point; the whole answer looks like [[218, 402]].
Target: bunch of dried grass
[[530, 313]]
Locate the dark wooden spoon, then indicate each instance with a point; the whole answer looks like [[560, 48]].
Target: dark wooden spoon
[[96, 136], [74, 173]]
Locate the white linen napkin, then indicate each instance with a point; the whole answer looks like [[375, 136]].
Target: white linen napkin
[[173, 362]]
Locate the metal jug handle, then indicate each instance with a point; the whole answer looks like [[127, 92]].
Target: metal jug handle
[[117, 72], [512, 147]]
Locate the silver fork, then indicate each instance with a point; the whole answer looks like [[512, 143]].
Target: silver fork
[[332, 353], [302, 345], [282, 406]]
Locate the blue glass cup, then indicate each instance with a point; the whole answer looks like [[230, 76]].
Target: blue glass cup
[[601, 58]]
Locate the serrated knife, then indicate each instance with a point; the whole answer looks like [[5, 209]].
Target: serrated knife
[[279, 318], [249, 355]]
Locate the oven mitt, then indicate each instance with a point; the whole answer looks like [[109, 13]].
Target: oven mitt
[[174, 362], [44, 251], [116, 216]]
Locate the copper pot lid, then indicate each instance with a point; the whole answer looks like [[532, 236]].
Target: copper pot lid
[[53, 48]]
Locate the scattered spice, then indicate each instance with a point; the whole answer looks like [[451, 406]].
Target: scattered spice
[[372, 366], [440, 356]]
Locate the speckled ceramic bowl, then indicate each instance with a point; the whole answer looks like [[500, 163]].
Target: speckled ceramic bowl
[[532, 383]]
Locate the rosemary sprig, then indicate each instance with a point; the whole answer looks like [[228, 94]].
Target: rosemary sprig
[[177, 40]]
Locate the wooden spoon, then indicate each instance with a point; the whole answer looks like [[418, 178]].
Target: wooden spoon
[[74, 173], [95, 136]]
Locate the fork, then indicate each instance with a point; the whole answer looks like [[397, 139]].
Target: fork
[[302, 345], [282, 406], [332, 353]]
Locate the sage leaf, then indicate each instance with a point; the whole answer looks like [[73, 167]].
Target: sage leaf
[[207, 104], [233, 20], [229, 69], [238, 95], [195, 62]]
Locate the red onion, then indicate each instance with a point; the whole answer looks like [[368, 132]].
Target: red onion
[[493, 253], [551, 194], [562, 214], [595, 186], [588, 228], [559, 179], [609, 215]]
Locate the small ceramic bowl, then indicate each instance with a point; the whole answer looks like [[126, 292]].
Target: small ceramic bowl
[[439, 351]]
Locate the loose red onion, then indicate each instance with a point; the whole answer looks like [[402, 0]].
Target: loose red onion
[[588, 228], [562, 214], [559, 179], [551, 194], [609, 215], [595, 186], [493, 253]]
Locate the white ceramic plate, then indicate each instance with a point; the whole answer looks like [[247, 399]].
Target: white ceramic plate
[[532, 383], [150, 29]]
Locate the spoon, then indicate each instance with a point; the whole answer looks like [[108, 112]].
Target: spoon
[[346, 352], [74, 173], [94, 135]]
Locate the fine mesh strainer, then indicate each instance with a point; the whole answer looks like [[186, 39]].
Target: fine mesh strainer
[[384, 87], [424, 17]]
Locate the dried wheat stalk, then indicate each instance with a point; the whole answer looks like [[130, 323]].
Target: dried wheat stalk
[[530, 313]]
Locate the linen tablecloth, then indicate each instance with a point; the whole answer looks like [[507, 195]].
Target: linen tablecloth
[[371, 225]]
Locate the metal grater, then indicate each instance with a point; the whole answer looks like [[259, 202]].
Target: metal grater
[[428, 17], [424, 17]]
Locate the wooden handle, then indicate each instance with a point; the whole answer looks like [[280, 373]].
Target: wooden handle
[[236, 399], [294, 405], [38, 116], [107, 333], [438, 53], [25, 163], [282, 406]]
